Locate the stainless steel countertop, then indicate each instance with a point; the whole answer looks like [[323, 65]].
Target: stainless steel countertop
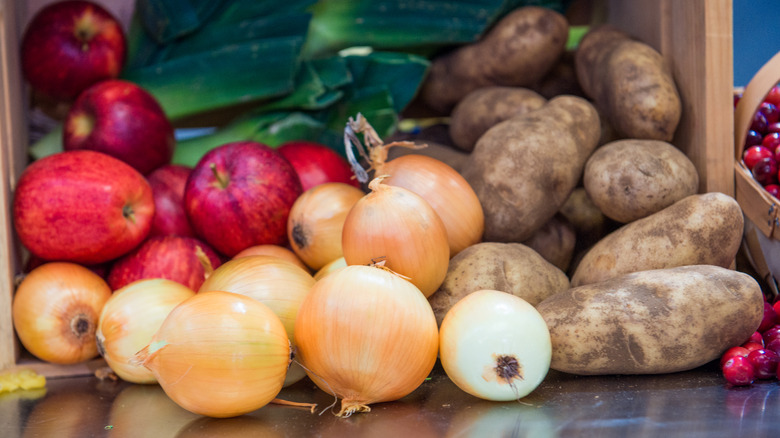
[[695, 403]]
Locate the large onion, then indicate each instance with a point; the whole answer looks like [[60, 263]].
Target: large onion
[[130, 318], [219, 354], [279, 284], [395, 225], [450, 195], [367, 336], [56, 310]]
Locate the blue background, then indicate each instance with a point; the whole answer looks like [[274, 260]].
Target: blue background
[[756, 36]]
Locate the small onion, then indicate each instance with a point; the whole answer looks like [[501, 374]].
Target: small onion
[[277, 283], [56, 310], [495, 345], [130, 318], [366, 335], [446, 190], [330, 267], [316, 220], [219, 354], [398, 226], [273, 250]]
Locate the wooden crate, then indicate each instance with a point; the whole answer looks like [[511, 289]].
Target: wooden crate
[[695, 37]]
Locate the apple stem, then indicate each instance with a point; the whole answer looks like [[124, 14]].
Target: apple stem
[[128, 213], [222, 181]]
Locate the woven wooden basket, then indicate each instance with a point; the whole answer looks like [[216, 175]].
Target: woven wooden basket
[[762, 210]]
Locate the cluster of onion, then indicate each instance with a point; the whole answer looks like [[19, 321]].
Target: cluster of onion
[[360, 327]]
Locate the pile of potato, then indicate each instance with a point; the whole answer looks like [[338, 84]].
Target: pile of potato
[[592, 214]]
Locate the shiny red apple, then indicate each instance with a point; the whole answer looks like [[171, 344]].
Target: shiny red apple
[[82, 206], [239, 195], [316, 163], [186, 260], [71, 45], [170, 217], [123, 120]]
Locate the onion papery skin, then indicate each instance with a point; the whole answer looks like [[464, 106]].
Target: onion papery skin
[[366, 335], [279, 284], [450, 195], [130, 318], [273, 250], [490, 328], [397, 226], [219, 354], [56, 310], [317, 219]]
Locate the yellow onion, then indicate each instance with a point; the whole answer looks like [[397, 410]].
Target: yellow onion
[[56, 309], [366, 335], [495, 345], [130, 318], [450, 195], [277, 283], [273, 250], [330, 267], [398, 226], [219, 354], [316, 220]]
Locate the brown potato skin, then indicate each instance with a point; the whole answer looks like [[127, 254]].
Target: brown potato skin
[[652, 322], [518, 169], [630, 82], [555, 241], [518, 51], [487, 106], [509, 267], [702, 229], [631, 179]]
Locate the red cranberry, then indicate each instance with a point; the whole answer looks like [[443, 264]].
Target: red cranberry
[[753, 138], [754, 154], [752, 346], [764, 363], [774, 190], [771, 333], [765, 171], [759, 123], [773, 96], [738, 371], [733, 351], [773, 127], [776, 306], [773, 344], [770, 112], [756, 337], [770, 141], [770, 318]]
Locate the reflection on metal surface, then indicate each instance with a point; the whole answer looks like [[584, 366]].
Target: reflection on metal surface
[[505, 419], [697, 403], [141, 411], [243, 426]]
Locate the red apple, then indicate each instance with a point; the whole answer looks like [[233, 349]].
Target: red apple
[[123, 120], [82, 206], [186, 260], [316, 164], [70, 45], [170, 218], [239, 195]]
